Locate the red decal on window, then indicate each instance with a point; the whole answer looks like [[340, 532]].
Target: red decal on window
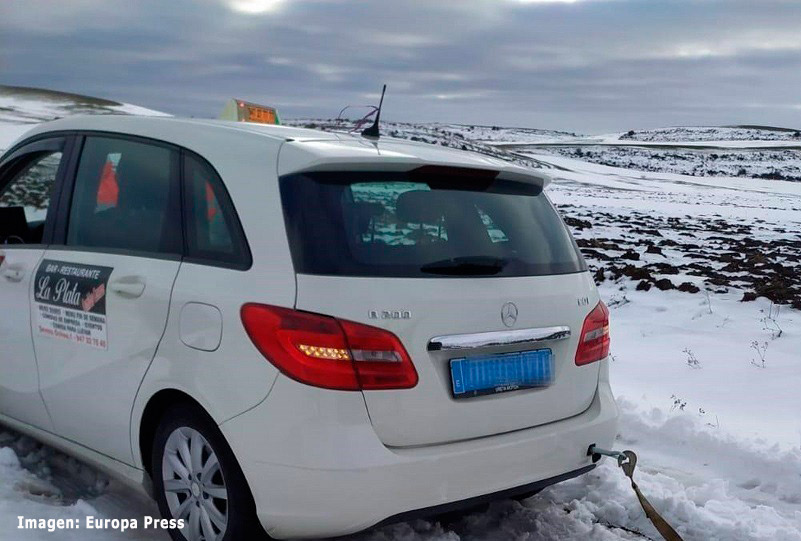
[[211, 203], [109, 191]]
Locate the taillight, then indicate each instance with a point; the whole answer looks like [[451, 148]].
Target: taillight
[[594, 339], [327, 352]]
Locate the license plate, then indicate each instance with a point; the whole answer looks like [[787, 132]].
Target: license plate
[[490, 374]]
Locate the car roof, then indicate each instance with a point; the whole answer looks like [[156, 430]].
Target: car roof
[[135, 123], [302, 149]]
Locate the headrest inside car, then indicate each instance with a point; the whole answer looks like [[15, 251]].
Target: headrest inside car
[[419, 206], [364, 211], [13, 225]]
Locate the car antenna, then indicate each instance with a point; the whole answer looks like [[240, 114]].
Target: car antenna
[[372, 131]]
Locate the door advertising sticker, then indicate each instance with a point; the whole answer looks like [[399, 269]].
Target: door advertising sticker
[[70, 302]]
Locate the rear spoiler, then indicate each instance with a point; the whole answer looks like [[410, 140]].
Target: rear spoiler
[[327, 156]]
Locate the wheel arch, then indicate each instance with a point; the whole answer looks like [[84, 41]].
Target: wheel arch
[[152, 414]]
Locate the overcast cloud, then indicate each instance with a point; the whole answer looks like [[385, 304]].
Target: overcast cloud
[[580, 65]]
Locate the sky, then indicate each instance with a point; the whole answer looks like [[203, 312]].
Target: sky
[[588, 66]]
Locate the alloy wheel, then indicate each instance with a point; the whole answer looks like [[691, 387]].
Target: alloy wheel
[[194, 486]]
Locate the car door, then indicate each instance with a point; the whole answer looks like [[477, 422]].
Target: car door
[[103, 288], [27, 181]]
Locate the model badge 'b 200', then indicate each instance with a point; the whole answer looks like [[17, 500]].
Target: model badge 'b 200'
[[389, 314]]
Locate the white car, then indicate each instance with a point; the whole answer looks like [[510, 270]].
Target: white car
[[305, 332]]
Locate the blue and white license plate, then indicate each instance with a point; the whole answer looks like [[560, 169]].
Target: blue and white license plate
[[489, 374]]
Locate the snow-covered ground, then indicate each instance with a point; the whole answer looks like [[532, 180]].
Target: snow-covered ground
[[714, 133], [725, 240], [773, 163], [435, 132], [707, 384], [38, 482], [698, 136]]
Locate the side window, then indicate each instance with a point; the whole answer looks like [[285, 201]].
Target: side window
[[126, 197], [25, 198], [213, 232]]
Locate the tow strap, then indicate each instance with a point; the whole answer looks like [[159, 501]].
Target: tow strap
[[627, 460]]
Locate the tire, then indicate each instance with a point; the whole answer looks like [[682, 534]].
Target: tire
[[217, 506]]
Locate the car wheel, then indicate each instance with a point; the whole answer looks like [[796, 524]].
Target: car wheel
[[197, 479]]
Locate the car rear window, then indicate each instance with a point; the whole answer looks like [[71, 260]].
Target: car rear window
[[423, 224]]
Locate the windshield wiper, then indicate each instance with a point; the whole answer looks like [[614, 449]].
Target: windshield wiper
[[466, 266]]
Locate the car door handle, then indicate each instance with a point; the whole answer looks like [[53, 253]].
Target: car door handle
[[129, 286], [14, 274]]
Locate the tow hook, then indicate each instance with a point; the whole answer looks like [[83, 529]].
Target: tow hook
[[596, 452], [627, 460]]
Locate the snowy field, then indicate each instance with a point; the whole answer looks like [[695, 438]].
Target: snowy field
[[435, 132], [714, 133], [703, 279], [772, 164]]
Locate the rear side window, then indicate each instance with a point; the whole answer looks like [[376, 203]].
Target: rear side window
[[213, 232], [423, 224], [126, 197]]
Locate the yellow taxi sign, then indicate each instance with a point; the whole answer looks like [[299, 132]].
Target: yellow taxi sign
[[244, 111]]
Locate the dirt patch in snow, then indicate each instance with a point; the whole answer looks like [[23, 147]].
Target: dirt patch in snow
[[761, 258]]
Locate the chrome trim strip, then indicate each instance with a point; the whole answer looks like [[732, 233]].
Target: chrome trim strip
[[498, 338]]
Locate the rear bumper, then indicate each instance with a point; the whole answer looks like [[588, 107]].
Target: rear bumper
[[516, 492], [316, 467]]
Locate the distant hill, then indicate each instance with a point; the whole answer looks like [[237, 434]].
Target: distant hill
[[22, 107], [714, 133]]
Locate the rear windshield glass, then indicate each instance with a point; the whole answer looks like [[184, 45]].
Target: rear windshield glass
[[423, 225]]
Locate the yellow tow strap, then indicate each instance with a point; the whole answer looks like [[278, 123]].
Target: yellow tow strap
[[656, 519], [628, 461]]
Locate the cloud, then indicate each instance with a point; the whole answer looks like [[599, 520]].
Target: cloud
[[546, 1], [586, 65], [255, 6], [398, 39]]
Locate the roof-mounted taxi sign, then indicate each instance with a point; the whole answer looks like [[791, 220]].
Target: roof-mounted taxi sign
[[244, 111]]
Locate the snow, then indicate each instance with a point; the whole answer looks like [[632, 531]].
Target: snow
[[774, 163], [433, 131], [22, 108], [614, 140], [654, 333], [714, 133], [10, 133], [698, 136], [38, 482], [652, 330], [707, 485], [717, 431]]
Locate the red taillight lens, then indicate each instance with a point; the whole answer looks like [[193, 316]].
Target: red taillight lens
[[326, 352], [594, 339], [306, 347], [380, 360]]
